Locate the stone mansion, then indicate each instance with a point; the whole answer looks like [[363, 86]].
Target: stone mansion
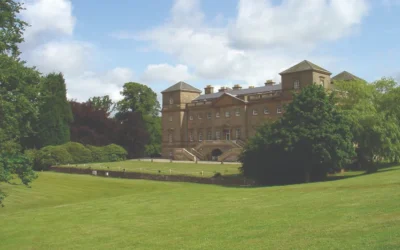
[[215, 125]]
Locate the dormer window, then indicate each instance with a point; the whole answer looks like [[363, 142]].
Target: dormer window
[[296, 84], [171, 101]]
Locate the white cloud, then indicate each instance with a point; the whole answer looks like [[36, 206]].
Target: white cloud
[[260, 42], [46, 16], [260, 24], [51, 47], [68, 57], [89, 84], [166, 72]]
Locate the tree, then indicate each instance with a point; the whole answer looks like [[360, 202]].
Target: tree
[[103, 103], [374, 116], [138, 98], [55, 113], [18, 98], [11, 27], [92, 125], [132, 134], [311, 138], [19, 91]]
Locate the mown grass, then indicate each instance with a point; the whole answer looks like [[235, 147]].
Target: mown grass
[[191, 169], [63, 211]]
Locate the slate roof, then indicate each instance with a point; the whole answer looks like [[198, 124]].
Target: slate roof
[[345, 76], [239, 92], [303, 66], [181, 86]]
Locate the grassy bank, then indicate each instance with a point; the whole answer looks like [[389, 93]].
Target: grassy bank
[[63, 211]]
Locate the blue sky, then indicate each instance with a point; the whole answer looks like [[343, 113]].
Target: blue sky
[[99, 45]]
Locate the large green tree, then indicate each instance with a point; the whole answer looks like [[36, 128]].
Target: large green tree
[[11, 27], [138, 98], [374, 117], [103, 103], [311, 138], [18, 98], [55, 113]]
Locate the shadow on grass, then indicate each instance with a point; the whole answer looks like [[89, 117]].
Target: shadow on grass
[[347, 175]]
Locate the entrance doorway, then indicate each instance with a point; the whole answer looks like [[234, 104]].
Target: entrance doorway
[[227, 133], [215, 153]]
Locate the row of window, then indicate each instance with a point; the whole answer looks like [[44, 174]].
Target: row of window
[[237, 113], [296, 83], [227, 135]]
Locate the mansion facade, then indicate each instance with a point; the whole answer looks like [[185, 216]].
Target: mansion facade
[[215, 125]]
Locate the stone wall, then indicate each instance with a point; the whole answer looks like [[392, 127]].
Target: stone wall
[[224, 181]]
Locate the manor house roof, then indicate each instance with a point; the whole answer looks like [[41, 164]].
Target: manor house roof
[[182, 86], [239, 92]]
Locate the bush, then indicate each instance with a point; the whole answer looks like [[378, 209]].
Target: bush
[[107, 153], [31, 154], [50, 156], [98, 154], [79, 153], [115, 152]]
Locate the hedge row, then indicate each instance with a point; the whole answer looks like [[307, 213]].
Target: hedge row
[[74, 153]]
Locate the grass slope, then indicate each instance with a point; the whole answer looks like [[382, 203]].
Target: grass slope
[[191, 169], [63, 211]]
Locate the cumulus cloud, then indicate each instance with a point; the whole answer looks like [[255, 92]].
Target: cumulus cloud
[[261, 24], [166, 72], [89, 84], [263, 39], [48, 16], [51, 47], [69, 57]]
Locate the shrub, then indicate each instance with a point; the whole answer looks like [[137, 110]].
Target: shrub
[[115, 152], [79, 153], [31, 154], [50, 156], [98, 154]]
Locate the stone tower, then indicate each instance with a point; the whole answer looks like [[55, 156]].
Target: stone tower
[[174, 120], [303, 74]]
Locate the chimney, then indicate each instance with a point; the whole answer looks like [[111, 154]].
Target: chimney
[[237, 87], [222, 89], [208, 89], [269, 83]]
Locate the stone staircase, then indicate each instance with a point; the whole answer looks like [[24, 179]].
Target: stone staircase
[[230, 155], [196, 153]]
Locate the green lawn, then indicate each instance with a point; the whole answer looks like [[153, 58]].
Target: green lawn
[[201, 170], [64, 211]]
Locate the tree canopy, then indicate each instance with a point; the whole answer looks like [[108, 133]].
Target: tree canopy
[[11, 27], [55, 113], [311, 138]]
